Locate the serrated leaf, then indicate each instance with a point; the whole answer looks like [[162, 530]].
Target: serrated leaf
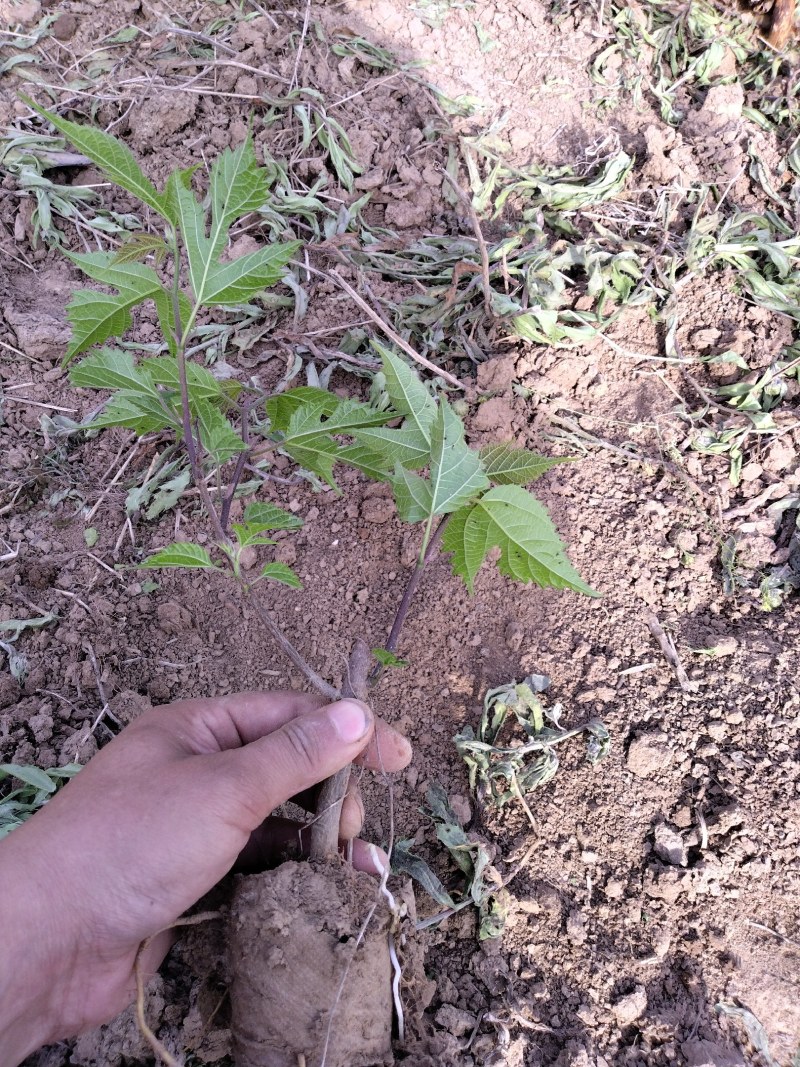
[[94, 316], [141, 245], [266, 516], [214, 283], [407, 393], [113, 157], [219, 438], [406, 446], [513, 520], [111, 368], [280, 408], [387, 658], [455, 473], [506, 465], [238, 186], [163, 370], [239, 281], [181, 554], [365, 460], [136, 411], [279, 572], [412, 495], [309, 436]]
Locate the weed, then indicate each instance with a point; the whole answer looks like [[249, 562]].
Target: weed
[[27, 158], [35, 787]]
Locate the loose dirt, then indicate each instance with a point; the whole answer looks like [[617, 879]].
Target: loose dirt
[[665, 879]]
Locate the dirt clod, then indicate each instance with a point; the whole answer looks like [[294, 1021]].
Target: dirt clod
[[649, 754], [301, 980]]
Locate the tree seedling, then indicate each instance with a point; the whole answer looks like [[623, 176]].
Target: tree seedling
[[465, 500]]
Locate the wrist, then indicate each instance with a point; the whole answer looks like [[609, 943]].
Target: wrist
[[36, 961]]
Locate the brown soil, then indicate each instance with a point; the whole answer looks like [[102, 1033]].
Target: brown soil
[[666, 878]]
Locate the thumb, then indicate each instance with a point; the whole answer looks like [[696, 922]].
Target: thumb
[[301, 753]]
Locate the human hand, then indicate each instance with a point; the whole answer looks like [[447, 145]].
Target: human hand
[[152, 823]]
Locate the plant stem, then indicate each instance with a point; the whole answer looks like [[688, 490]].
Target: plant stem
[[181, 337], [219, 524], [325, 828], [429, 550], [288, 649], [240, 465]]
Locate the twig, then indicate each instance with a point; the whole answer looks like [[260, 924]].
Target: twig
[[112, 483], [394, 337], [147, 1033], [240, 465], [476, 228], [325, 829], [37, 404], [411, 588], [303, 34], [667, 646], [288, 649]]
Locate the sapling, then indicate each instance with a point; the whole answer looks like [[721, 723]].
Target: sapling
[[466, 501]]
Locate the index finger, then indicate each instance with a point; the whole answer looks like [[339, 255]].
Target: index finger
[[387, 750]]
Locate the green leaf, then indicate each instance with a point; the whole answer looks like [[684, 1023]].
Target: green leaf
[[267, 516], [260, 516], [181, 554], [506, 465], [279, 572], [455, 473], [219, 438], [309, 436], [33, 776], [139, 246], [201, 382], [113, 157], [388, 659], [412, 495], [407, 393], [111, 368], [90, 536], [365, 460], [94, 316], [136, 411], [510, 518], [280, 408], [236, 188], [408, 447]]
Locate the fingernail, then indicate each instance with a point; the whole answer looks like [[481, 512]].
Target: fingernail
[[350, 719]]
